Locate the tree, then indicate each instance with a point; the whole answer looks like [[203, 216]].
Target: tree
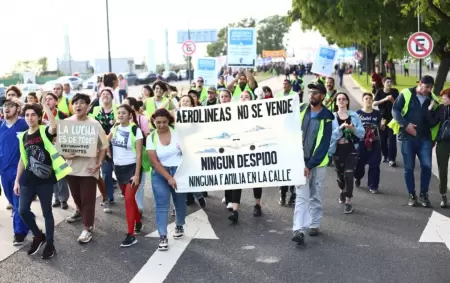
[[345, 22], [271, 32], [43, 62]]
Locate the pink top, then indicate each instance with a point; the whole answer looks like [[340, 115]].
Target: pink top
[[123, 84], [143, 123]]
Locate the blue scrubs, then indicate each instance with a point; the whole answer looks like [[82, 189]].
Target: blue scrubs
[[9, 159]]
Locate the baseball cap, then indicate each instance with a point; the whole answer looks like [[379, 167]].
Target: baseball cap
[[427, 80], [319, 86], [212, 89]]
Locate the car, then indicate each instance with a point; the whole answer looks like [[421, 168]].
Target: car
[[91, 83], [48, 86], [130, 77], [170, 76], [145, 78], [77, 82]]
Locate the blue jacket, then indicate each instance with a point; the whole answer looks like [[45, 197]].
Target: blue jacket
[[337, 133], [321, 151], [9, 144]]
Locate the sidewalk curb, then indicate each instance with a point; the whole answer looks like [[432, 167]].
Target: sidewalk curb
[[351, 90]]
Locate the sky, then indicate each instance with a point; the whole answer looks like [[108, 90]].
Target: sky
[[37, 27]]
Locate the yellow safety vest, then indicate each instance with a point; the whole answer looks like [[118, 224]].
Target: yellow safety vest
[[303, 108], [395, 126], [59, 165], [281, 93], [328, 96], [237, 91], [64, 105], [97, 110], [150, 107], [203, 94]]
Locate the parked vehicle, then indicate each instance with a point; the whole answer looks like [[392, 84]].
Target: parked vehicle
[[145, 78], [48, 86], [170, 76], [77, 83], [91, 83], [130, 77]]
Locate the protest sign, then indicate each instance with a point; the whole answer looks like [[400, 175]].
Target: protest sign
[[240, 145], [323, 63], [77, 138]]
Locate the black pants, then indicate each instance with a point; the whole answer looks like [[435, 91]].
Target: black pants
[[345, 160], [233, 196], [284, 189], [388, 144], [257, 193], [442, 156]]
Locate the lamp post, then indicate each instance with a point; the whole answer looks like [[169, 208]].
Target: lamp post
[[107, 33]]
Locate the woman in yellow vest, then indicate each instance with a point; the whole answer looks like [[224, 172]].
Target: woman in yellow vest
[[40, 166]]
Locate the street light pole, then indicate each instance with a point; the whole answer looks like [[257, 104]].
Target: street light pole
[[107, 32], [418, 29]]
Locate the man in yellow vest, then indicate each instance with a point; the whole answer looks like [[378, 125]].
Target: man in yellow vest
[[64, 103], [287, 89], [410, 112], [243, 81], [159, 100], [39, 168], [201, 89], [316, 127]]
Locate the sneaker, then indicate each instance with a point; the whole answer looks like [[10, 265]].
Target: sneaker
[[36, 244], [129, 241], [19, 240], [257, 210], [230, 206], [85, 237], [224, 200], [64, 205], [138, 228], [163, 243], [234, 216], [76, 216], [392, 164], [107, 207], [348, 208], [57, 203], [358, 183], [299, 237], [424, 200], [374, 191], [202, 202], [412, 201], [292, 199], [49, 251], [282, 201], [444, 201], [313, 232], [9, 206], [341, 198], [179, 232]]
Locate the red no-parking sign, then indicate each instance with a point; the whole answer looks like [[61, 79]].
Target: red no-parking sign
[[420, 45], [358, 55], [189, 47]]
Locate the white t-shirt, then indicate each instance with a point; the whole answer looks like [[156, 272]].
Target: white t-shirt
[[169, 155], [122, 148]]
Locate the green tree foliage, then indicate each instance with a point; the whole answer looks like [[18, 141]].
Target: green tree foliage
[[345, 22], [271, 32], [43, 62]]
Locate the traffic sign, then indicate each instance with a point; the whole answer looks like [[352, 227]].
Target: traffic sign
[[420, 45], [358, 55], [189, 47]]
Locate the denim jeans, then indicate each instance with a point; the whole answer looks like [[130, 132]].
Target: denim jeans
[[45, 195], [107, 171], [161, 195], [308, 204], [371, 158], [422, 149], [61, 190]]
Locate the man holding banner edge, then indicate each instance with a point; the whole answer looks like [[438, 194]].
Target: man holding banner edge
[[316, 125]]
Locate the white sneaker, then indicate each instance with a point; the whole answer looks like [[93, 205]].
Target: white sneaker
[[107, 207], [223, 200], [85, 237], [230, 205]]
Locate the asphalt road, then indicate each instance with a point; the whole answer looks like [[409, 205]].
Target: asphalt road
[[377, 243]]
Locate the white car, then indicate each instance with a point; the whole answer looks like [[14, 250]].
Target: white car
[[48, 86], [76, 82]]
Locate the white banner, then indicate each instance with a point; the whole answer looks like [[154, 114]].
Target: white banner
[[323, 63], [208, 69], [240, 145], [241, 47]]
